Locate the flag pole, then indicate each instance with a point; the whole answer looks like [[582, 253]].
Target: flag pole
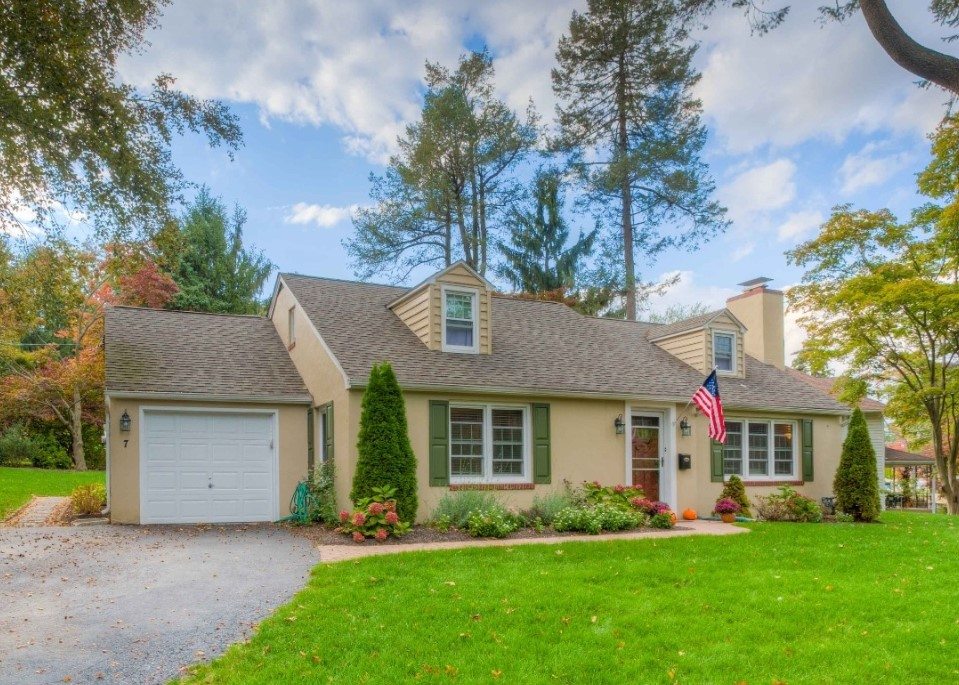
[[683, 410]]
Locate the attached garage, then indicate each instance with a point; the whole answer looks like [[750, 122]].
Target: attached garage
[[207, 418]]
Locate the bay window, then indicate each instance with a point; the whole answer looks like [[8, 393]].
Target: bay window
[[758, 449], [489, 443]]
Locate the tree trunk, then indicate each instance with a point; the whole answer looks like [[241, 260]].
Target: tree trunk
[[629, 266], [76, 431], [937, 67], [946, 465]]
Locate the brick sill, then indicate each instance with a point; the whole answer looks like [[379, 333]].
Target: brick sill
[[774, 483], [491, 486]]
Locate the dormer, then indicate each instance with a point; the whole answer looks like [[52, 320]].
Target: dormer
[[712, 341], [450, 311]]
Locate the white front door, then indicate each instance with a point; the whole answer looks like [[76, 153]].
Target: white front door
[[207, 467]]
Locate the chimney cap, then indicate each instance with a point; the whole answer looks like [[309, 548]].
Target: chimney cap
[[753, 282]]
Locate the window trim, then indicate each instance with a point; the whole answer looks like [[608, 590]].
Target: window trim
[[474, 294], [291, 326], [320, 451], [734, 361], [488, 476], [771, 475]]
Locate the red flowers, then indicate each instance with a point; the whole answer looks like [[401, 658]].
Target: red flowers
[[376, 508], [358, 536], [392, 517], [619, 489], [344, 516], [373, 517], [381, 534], [359, 518]]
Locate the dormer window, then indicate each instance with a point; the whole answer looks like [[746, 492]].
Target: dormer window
[[460, 314], [724, 352]]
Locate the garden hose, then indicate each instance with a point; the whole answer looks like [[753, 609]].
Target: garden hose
[[302, 503]]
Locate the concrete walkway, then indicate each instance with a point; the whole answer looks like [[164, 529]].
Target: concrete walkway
[[40, 511], [334, 553]]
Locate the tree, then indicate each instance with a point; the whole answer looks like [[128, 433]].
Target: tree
[[451, 182], [857, 482], [73, 136], [735, 489], [537, 260], [931, 65], [212, 269], [632, 129], [678, 312], [882, 298], [385, 456]]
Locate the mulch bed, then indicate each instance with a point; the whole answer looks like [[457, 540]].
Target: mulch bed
[[322, 535]]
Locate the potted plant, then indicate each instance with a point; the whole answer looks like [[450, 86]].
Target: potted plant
[[727, 509]]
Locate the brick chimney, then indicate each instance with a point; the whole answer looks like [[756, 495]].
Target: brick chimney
[[761, 310]]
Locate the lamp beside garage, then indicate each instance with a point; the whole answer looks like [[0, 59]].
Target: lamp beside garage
[[126, 423]]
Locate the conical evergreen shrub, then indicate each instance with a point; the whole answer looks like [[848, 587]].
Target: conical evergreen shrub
[[735, 490], [856, 485], [385, 456]]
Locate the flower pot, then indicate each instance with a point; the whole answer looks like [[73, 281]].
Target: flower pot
[[728, 518]]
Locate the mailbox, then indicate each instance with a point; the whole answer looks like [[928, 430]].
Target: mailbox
[[685, 462]]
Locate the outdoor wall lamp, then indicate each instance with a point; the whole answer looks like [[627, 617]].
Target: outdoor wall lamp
[[125, 423], [685, 428], [620, 426]]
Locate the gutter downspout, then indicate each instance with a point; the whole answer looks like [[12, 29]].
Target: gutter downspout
[[106, 450]]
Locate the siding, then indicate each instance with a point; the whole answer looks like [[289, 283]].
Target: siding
[[877, 435], [689, 348], [723, 324], [415, 313]]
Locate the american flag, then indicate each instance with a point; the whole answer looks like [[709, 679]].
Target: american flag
[[707, 399]]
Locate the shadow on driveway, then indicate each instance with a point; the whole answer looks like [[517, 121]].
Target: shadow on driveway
[[128, 604]]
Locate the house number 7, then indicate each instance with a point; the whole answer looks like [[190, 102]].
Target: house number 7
[[126, 442]]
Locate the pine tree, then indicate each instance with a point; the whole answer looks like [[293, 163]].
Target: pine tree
[[856, 484], [537, 259], [735, 490], [632, 129], [385, 456]]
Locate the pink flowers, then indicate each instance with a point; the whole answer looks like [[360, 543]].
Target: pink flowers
[[344, 516], [619, 489], [392, 518], [391, 505], [381, 534], [359, 518], [726, 506], [358, 536], [376, 508]]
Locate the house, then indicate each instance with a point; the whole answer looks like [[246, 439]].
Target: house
[[215, 418]]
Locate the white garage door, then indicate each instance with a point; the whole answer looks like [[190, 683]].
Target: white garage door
[[207, 467]]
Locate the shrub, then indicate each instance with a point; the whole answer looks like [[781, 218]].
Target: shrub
[[842, 517], [725, 505], [546, 507], [88, 500], [649, 507], [374, 517], [322, 494], [598, 518], [456, 507], [19, 447], [385, 454], [663, 520], [856, 484], [789, 505], [613, 495], [495, 522], [735, 490]]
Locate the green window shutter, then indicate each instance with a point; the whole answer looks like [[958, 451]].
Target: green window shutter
[[807, 454], [542, 470], [328, 431], [439, 443], [310, 439], [716, 462]]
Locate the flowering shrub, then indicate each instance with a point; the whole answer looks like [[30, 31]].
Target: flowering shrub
[[495, 522], [725, 505], [789, 505], [664, 519], [612, 495], [649, 507], [374, 517], [596, 519]]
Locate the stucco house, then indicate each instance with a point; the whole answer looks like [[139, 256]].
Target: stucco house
[[215, 418]]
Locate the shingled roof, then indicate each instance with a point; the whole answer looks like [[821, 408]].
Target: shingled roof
[[827, 385], [538, 347], [185, 354], [658, 331]]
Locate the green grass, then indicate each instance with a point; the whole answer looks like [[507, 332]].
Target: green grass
[[790, 603], [18, 484]]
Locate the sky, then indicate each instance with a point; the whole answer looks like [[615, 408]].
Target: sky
[[800, 120]]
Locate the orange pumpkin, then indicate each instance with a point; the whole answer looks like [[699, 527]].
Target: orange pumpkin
[[690, 514]]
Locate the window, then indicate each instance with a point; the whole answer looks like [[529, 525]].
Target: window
[[459, 321], [768, 451], [324, 430], [488, 443], [724, 356], [291, 326]]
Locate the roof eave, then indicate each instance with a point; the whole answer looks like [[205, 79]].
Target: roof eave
[[209, 397]]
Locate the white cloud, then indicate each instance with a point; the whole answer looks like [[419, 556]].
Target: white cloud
[[688, 291], [805, 81], [759, 190], [869, 167], [324, 216], [743, 251], [800, 224]]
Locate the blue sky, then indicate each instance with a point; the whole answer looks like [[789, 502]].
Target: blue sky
[[799, 120]]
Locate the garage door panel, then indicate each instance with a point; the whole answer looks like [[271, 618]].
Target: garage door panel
[[184, 452]]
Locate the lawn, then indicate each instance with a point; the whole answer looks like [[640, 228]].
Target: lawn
[[787, 603], [18, 484]]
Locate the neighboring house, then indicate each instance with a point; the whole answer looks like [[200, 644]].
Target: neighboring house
[[516, 396]]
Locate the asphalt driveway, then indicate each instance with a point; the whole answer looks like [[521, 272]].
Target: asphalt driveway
[[125, 604]]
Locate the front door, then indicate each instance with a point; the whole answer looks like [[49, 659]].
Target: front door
[[647, 454]]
